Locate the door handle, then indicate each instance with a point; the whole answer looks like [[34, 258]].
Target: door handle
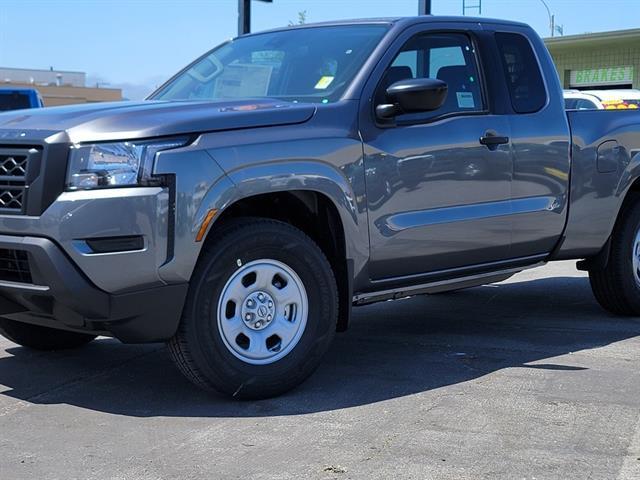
[[491, 140]]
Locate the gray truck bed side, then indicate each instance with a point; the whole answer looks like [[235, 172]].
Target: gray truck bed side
[[605, 162]]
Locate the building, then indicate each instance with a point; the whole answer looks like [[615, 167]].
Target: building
[[43, 77], [597, 60], [58, 87]]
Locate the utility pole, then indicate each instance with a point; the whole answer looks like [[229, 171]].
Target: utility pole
[[244, 15], [424, 7], [468, 5], [552, 18]]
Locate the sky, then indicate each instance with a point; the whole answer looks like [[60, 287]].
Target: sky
[[137, 44]]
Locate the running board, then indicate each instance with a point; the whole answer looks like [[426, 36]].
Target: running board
[[441, 286]]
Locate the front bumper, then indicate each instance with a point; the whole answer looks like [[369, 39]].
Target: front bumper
[[74, 286], [60, 296], [75, 217], [135, 294]]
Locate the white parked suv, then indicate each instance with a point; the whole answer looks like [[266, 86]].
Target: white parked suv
[[577, 100], [618, 99]]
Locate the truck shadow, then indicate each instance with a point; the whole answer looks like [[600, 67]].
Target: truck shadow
[[392, 350]]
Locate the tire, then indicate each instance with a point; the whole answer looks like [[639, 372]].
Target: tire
[[42, 338], [250, 367], [617, 286]]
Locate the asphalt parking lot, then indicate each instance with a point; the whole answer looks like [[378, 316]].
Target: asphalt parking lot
[[525, 379]]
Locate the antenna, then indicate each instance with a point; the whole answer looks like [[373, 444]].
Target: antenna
[[471, 5]]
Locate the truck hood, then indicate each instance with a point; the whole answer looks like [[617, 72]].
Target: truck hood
[[146, 119]]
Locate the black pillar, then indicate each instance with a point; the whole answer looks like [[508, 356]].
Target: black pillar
[[424, 7], [244, 16]]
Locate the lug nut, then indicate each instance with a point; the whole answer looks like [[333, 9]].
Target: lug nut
[[260, 297], [270, 304], [258, 324], [250, 303], [247, 316], [269, 317]]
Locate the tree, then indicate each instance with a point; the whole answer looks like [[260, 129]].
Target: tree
[[302, 19]]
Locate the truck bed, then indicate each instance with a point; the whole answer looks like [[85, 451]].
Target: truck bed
[[602, 168]]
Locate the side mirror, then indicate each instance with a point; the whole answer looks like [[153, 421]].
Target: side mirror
[[412, 96]]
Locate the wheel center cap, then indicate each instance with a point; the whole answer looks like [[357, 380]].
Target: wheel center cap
[[258, 310]]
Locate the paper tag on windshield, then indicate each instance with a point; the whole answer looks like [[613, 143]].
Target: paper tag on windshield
[[242, 80], [465, 100], [324, 83]]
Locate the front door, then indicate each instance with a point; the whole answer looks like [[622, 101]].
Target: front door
[[438, 183]]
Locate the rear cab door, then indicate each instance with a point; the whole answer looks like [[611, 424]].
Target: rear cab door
[[540, 139]]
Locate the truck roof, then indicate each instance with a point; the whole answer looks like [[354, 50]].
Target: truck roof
[[11, 88], [407, 21]]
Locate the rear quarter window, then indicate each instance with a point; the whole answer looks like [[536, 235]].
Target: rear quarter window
[[521, 70], [14, 101]]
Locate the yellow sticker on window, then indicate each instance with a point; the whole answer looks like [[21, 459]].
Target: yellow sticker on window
[[324, 83]]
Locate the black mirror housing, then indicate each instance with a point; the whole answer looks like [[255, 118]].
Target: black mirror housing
[[413, 95]]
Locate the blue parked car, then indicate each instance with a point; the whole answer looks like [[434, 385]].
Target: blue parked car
[[16, 98]]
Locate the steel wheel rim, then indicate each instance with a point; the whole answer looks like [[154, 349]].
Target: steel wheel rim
[[262, 311], [635, 258]]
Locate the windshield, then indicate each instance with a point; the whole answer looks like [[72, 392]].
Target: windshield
[[304, 65], [13, 101]]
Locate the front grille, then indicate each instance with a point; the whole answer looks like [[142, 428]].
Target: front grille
[[13, 178], [14, 266], [13, 165]]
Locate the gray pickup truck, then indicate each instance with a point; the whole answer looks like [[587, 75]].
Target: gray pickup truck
[[284, 177]]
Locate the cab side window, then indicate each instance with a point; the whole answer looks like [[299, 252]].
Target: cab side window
[[449, 57], [521, 70]]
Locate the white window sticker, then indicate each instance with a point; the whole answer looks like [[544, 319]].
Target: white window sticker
[[243, 80], [465, 100]]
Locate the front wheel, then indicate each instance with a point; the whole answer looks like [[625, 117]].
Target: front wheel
[[617, 286], [261, 311]]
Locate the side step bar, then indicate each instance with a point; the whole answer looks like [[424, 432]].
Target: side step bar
[[442, 285]]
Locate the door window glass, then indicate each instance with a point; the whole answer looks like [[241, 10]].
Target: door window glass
[[449, 57]]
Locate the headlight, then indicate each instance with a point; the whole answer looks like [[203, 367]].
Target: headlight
[[118, 164]]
